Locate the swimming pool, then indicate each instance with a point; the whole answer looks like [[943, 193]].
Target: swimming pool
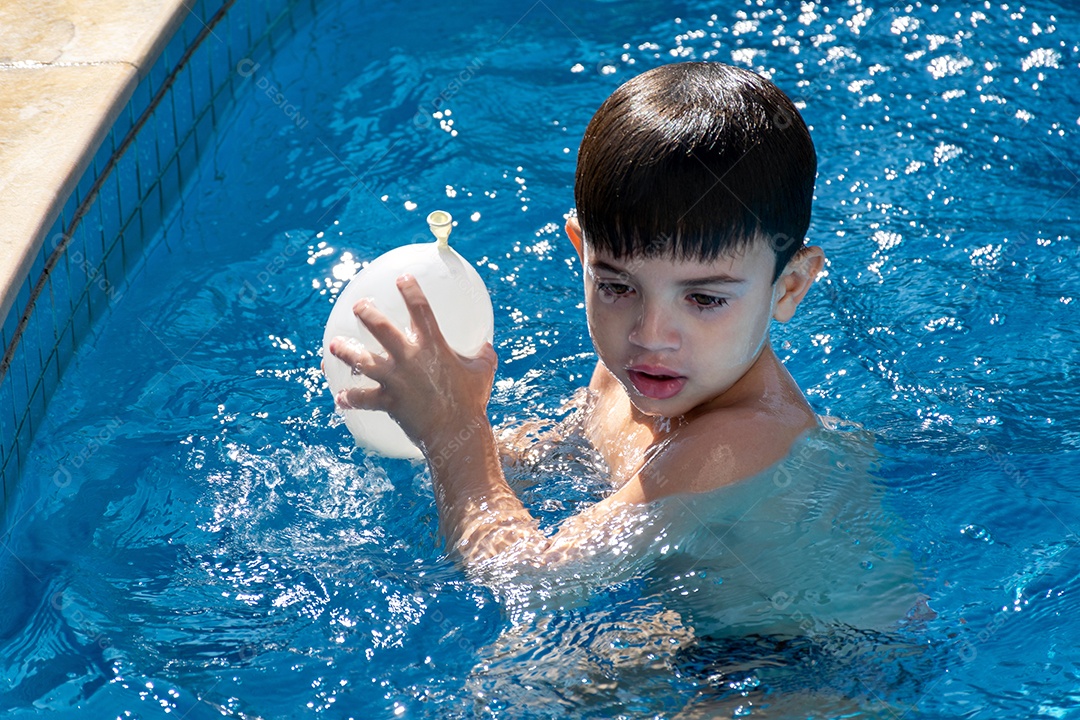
[[195, 536]]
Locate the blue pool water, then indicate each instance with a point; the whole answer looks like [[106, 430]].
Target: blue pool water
[[194, 535]]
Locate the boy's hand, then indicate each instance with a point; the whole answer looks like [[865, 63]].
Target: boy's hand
[[426, 386]]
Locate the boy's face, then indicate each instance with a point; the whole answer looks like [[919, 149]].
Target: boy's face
[[681, 334]]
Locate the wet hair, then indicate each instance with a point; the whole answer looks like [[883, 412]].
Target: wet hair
[[695, 160]]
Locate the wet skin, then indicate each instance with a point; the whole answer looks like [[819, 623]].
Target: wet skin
[[689, 341], [684, 362]]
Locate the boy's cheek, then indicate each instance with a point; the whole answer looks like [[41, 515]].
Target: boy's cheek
[[602, 326]]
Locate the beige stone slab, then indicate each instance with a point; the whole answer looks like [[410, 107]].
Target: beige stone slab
[[64, 32], [52, 121]]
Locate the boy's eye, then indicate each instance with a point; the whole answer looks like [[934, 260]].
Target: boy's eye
[[613, 289], [707, 301]]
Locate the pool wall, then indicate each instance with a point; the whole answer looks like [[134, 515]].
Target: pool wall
[[103, 123]]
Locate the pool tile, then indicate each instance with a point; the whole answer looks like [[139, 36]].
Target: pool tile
[[66, 73], [170, 186], [149, 221], [48, 119]]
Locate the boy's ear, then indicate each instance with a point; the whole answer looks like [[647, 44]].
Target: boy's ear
[[796, 279], [573, 231]]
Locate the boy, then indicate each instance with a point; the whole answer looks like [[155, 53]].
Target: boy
[[693, 190]]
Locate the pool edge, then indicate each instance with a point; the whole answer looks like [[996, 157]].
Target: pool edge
[[80, 93], [121, 188]]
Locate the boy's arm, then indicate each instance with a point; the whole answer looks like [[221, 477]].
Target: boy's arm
[[440, 399]]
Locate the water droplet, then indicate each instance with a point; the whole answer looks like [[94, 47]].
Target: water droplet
[[977, 532]]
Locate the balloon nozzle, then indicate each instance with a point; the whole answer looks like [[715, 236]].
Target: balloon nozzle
[[441, 223]]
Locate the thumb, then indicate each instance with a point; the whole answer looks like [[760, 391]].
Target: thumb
[[486, 359]]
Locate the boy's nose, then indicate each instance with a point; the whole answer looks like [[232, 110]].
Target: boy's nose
[[654, 329]]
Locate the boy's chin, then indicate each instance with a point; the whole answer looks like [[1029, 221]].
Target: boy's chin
[[659, 409]]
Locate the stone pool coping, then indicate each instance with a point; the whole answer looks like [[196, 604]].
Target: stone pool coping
[[67, 70]]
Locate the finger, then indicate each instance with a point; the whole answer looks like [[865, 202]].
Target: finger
[[488, 354], [423, 317], [486, 358], [389, 335], [361, 360], [345, 349], [368, 398]]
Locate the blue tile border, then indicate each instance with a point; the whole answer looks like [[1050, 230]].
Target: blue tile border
[[121, 204]]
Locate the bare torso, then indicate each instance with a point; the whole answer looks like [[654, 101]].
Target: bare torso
[[650, 457]]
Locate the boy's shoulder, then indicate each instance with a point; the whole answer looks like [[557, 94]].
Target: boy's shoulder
[[721, 448], [716, 448]]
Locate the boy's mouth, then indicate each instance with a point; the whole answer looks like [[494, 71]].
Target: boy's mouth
[[656, 383]]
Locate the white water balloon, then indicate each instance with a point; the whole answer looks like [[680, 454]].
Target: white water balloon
[[458, 298]]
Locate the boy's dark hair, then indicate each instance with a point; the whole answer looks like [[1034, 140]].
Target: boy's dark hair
[[695, 160]]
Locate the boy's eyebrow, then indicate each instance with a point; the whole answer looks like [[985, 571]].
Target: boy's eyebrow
[[721, 279], [712, 280]]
